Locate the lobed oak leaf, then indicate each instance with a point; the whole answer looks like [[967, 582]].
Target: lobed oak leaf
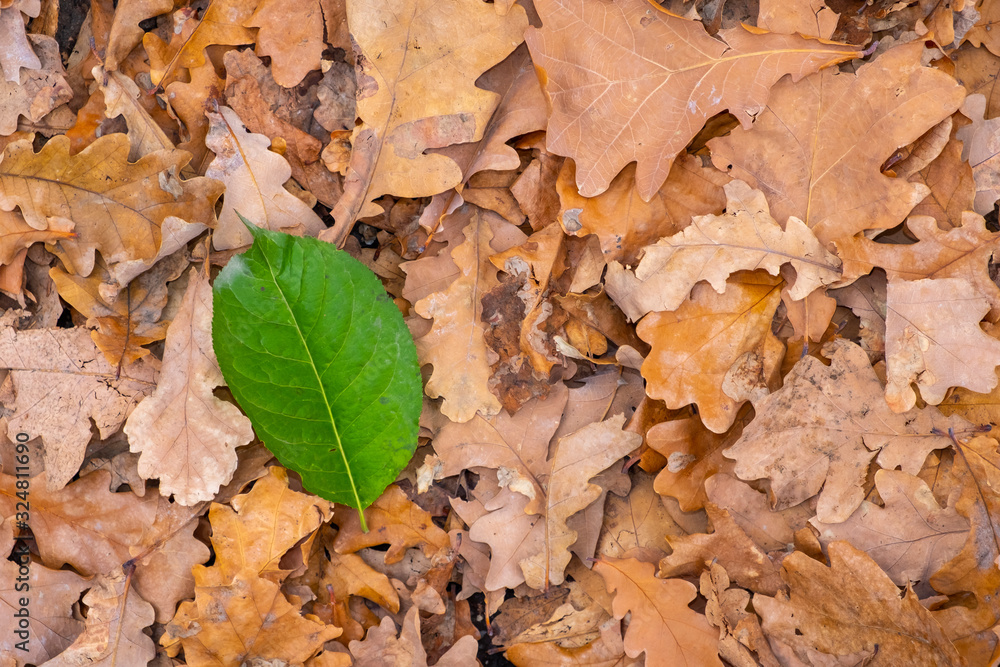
[[822, 429], [952, 185], [232, 625], [715, 350], [628, 83], [713, 247], [44, 86], [866, 299], [636, 521], [16, 234], [769, 530], [291, 33], [254, 178], [980, 147], [833, 133], [51, 623], [122, 98], [977, 70], [415, 72], [933, 338], [349, 574], [805, 17], [726, 609], [852, 607], [61, 382], [910, 538], [116, 617], [382, 648], [187, 103], [513, 535], [982, 33], [117, 207], [96, 531], [17, 52], [125, 32], [608, 650], [186, 436], [662, 625]]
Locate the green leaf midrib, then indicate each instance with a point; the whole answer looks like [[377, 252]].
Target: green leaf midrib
[[322, 388]]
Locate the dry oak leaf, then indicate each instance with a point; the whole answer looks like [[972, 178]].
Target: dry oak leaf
[[984, 32], [629, 83], [832, 133], [116, 617], [715, 350], [382, 648], [952, 185], [851, 607], [911, 537], [125, 33], [769, 530], [122, 98], [124, 320], [186, 436], [726, 609], [117, 206], [16, 234], [17, 51], [232, 625], [512, 534], [961, 252], [933, 338], [866, 299], [662, 625], [608, 650], [395, 520], [977, 70], [806, 17], [578, 457], [291, 33], [51, 593], [981, 149], [731, 547], [255, 184], [97, 531], [713, 247], [416, 71], [261, 526], [638, 520], [624, 222], [43, 87], [455, 345], [62, 382], [349, 574], [824, 426]]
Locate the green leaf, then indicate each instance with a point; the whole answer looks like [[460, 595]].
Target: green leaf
[[319, 358]]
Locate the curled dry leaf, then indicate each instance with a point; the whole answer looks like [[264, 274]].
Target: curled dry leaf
[[186, 436], [833, 133], [618, 95]]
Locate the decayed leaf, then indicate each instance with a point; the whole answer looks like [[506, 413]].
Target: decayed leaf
[[187, 436], [981, 145], [254, 179], [962, 252], [44, 87], [62, 382], [933, 338], [713, 247], [116, 617], [291, 33], [662, 625], [824, 426], [911, 537], [97, 531], [851, 607], [455, 343], [715, 350], [51, 626], [833, 133], [381, 648], [416, 92], [620, 95], [624, 222], [117, 206], [246, 620]]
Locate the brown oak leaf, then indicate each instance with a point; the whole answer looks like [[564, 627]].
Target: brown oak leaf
[[382, 648], [291, 33]]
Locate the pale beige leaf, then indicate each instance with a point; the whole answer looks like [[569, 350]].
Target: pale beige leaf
[[121, 98], [43, 87], [17, 51]]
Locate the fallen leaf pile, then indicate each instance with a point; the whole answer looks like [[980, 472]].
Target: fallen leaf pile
[[705, 295]]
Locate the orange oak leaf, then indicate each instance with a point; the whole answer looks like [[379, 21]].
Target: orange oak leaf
[[624, 222], [349, 574], [255, 184], [951, 182], [834, 132], [291, 33], [713, 247], [44, 87], [933, 338], [662, 625], [983, 34], [16, 234], [455, 345], [824, 426], [117, 207], [186, 436], [116, 617], [243, 622], [415, 92], [638, 520], [771, 531], [852, 607], [715, 350], [62, 382], [911, 537], [628, 83], [97, 531], [125, 33]]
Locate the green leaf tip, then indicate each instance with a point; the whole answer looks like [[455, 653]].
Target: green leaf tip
[[321, 362]]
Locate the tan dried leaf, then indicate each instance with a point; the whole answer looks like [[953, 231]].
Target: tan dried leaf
[[382, 648], [44, 86], [291, 33]]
